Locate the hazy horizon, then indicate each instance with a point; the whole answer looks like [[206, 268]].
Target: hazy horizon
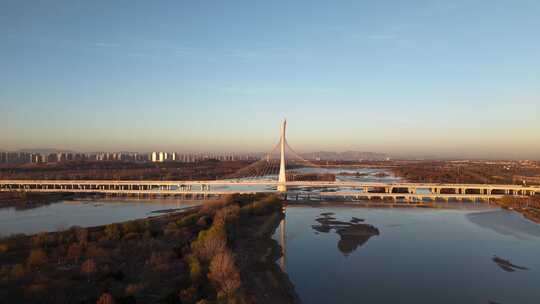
[[393, 154], [420, 78]]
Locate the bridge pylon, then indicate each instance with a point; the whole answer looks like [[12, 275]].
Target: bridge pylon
[[282, 180]]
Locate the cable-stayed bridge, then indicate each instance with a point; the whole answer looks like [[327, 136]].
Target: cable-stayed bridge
[[271, 174]]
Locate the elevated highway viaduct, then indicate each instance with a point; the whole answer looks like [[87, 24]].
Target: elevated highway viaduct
[[413, 191]]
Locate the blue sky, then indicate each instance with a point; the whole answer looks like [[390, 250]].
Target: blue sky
[[448, 78]]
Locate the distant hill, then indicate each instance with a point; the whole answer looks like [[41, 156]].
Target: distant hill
[[345, 156]]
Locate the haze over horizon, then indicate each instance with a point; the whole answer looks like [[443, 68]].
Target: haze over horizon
[[442, 78]]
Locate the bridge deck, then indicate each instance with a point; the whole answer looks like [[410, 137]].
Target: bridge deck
[[408, 191], [267, 182]]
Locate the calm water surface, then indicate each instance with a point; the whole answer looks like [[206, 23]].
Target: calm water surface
[[83, 213], [419, 256]]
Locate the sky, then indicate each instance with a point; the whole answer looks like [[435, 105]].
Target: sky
[[442, 78]]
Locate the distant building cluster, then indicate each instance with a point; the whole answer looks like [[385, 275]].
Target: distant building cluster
[[57, 157], [15, 157], [196, 157]]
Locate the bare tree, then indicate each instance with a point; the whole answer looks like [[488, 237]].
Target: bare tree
[[88, 268], [105, 298], [224, 274], [210, 242], [37, 258], [74, 252]]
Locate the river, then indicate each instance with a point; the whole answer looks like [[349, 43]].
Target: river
[[418, 256], [84, 213]]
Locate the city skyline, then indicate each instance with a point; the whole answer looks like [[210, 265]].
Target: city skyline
[[437, 78]]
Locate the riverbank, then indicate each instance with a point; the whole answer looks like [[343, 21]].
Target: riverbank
[[389, 204], [262, 278], [208, 254], [531, 214], [25, 200], [529, 207]]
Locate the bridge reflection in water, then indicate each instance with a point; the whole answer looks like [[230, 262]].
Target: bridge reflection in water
[[283, 241]]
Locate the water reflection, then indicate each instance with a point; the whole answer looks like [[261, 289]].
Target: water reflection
[[283, 244], [352, 234], [419, 255], [506, 265]]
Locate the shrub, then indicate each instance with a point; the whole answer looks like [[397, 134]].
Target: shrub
[[39, 239], [224, 274], [204, 221], [66, 237], [144, 225], [74, 252], [4, 273], [96, 252], [88, 268], [112, 231], [187, 221], [188, 295], [23, 195], [226, 215], [148, 235], [262, 206], [194, 268], [37, 258], [130, 227], [130, 236], [209, 243], [209, 207], [133, 289], [105, 298], [35, 289], [82, 235], [18, 271], [161, 261]]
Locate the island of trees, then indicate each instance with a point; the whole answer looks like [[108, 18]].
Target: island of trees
[[208, 254]]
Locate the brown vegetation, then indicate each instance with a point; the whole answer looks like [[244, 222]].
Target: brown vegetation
[[26, 200], [465, 172], [37, 258], [311, 177], [175, 258], [528, 206], [112, 170], [88, 268], [224, 273], [106, 298]]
